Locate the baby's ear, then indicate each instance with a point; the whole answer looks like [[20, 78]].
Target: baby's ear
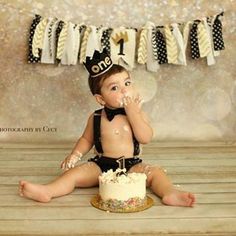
[[99, 99]]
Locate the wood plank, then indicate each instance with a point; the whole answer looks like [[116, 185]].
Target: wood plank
[[209, 187], [150, 146], [156, 212], [146, 148], [229, 143], [34, 151], [33, 156], [192, 149], [216, 198], [175, 227], [154, 143], [28, 145], [84, 200]]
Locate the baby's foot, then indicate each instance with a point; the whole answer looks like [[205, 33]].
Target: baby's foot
[[179, 198], [34, 191]]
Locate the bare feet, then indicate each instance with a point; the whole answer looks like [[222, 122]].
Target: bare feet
[[36, 192], [179, 198]]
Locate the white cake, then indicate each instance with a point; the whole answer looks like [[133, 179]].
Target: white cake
[[122, 191]]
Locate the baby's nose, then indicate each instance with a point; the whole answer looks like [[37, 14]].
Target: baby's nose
[[124, 90]]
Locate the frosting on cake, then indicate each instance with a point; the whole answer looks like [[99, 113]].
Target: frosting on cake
[[118, 189]]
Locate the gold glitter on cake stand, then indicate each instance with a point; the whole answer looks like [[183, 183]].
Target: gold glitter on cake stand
[[96, 202]]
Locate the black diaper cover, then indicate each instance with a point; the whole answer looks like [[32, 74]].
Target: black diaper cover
[[107, 163]]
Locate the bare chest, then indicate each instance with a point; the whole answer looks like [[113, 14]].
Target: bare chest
[[118, 128]]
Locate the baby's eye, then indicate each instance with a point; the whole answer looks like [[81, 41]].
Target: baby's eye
[[114, 88], [127, 83]]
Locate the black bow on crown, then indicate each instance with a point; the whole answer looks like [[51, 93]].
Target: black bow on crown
[[110, 113]]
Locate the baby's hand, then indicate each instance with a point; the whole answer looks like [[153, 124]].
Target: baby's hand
[[132, 104], [71, 160]]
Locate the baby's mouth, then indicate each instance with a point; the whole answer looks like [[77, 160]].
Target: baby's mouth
[[121, 103]]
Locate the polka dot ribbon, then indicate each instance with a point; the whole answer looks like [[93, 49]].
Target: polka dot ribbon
[[217, 34], [161, 47], [105, 40], [31, 57], [194, 41]]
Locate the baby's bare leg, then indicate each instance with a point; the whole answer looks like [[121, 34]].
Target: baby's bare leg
[[85, 175], [161, 185]]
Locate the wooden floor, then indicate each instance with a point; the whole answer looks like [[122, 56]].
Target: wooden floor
[[208, 170]]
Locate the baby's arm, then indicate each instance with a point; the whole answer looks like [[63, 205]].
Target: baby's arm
[[138, 120], [83, 145]]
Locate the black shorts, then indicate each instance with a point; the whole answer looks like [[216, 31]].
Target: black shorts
[[107, 163]]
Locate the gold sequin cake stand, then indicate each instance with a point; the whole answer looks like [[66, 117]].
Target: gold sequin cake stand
[[96, 202]]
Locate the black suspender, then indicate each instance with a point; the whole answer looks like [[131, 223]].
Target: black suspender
[[97, 131], [97, 134], [136, 146]]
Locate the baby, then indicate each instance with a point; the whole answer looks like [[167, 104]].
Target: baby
[[116, 130]]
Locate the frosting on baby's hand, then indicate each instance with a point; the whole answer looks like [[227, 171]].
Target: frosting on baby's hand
[[71, 160]]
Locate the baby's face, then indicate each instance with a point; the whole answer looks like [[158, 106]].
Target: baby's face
[[115, 88]]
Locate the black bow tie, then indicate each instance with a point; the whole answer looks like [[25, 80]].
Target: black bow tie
[[110, 113]]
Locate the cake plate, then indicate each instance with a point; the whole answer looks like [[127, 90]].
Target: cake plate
[[96, 202]]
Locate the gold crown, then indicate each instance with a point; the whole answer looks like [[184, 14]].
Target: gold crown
[[120, 36]]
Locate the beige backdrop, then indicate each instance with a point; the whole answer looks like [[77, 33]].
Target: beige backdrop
[[46, 103]]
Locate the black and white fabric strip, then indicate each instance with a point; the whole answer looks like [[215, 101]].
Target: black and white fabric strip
[[154, 44], [105, 40], [82, 28], [194, 41], [31, 57], [161, 47], [217, 34], [209, 20]]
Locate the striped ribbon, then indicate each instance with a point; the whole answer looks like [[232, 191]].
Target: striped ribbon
[[142, 47], [62, 41], [171, 46], [84, 44], [203, 40], [38, 37]]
